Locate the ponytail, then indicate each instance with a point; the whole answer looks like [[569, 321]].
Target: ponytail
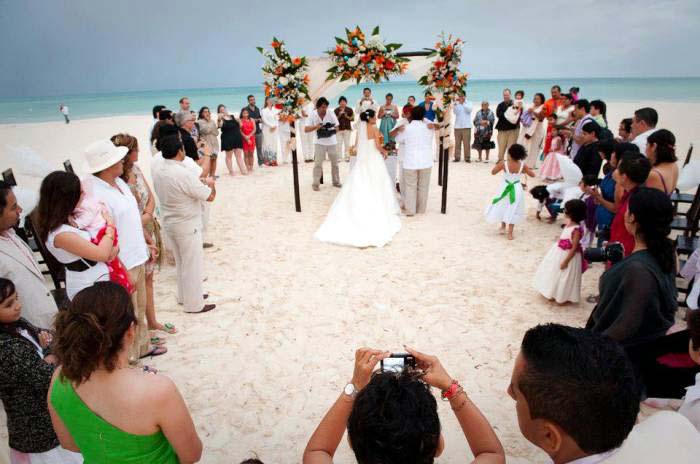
[[90, 333], [665, 143], [653, 213]]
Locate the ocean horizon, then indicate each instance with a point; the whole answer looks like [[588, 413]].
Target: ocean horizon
[[43, 109]]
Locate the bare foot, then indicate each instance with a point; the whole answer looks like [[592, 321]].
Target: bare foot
[[510, 235]]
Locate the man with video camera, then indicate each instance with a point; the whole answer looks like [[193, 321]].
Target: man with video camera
[[325, 124]]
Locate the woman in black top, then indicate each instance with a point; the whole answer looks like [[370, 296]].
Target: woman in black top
[[231, 139], [638, 296], [26, 366]]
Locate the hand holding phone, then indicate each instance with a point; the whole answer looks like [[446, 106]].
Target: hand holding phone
[[434, 374], [397, 362], [366, 360]]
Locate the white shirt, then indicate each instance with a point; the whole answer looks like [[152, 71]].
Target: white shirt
[[269, 117], [418, 145], [401, 146], [641, 140], [64, 110], [363, 105], [127, 219], [463, 115], [691, 403], [180, 192], [329, 117]]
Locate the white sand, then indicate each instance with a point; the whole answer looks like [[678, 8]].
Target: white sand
[[260, 371]]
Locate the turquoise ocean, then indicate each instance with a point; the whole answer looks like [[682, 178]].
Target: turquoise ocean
[[40, 109]]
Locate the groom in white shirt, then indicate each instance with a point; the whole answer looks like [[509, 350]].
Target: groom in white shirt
[[416, 141]]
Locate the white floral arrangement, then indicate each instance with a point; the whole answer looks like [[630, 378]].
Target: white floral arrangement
[[286, 80]]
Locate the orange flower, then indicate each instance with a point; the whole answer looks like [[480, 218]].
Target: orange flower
[[267, 90], [365, 58], [297, 61], [379, 59], [356, 73], [306, 79], [275, 44], [338, 50]]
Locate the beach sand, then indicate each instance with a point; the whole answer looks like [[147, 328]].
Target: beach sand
[[259, 372]]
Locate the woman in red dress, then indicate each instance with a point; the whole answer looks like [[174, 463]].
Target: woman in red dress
[[248, 133]]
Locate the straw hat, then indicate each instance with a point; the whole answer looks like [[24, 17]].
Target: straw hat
[[103, 154]]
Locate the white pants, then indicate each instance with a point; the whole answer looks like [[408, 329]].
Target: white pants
[[391, 165], [343, 144], [186, 242], [58, 455], [285, 148], [205, 219]]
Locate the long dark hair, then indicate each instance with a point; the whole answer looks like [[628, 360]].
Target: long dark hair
[[602, 107], [7, 289], [653, 213], [90, 333], [665, 146], [58, 196]]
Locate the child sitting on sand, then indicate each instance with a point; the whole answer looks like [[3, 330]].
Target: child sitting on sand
[[90, 216], [558, 277], [508, 207]]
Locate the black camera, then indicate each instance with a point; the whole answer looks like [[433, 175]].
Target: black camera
[[613, 252], [326, 130]]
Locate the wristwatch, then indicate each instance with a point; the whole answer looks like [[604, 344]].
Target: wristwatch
[[350, 390]]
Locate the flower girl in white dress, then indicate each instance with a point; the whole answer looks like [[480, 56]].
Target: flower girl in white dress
[[559, 276], [508, 207]]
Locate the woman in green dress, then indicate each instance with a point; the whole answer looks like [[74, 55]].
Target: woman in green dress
[[388, 115], [99, 405]]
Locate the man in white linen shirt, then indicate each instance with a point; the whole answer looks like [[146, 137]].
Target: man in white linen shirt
[[416, 139], [325, 124], [106, 164], [181, 193], [643, 125], [17, 264], [463, 128]]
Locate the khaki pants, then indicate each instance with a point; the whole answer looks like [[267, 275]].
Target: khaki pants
[[320, 155], [343, 144], [417, 184], [140, 345], [505, 139], [463, 138], [186, 242]]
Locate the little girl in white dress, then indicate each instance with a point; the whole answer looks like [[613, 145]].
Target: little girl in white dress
[[508, 207], [559, 276]]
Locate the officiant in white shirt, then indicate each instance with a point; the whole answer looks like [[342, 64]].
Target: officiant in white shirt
[[365, 103], [416, 143]]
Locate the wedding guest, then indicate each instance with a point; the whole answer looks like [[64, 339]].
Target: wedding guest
[[164, 127], [552, 104], [599, 113], [638, 296], [345, 117], [575, 394], [508, 208], [185, 124], [565, 111], [367, 102], [18, 264], [184, 105], [624, 131], [631, 173], [608, 195], [661, 151], [307, 138], [555, 145], [427, 105], [285, 135], [463, 128], [209, 132], [507, 131], [105, 163], [248, 134], [156, 118], [85, 261], [533, 131], [138, 184], [690, 408], [388, 115], [99, 406], [484, 123], [411, 432], [643, 125], [574, 91], [587, 157], [181, 193], [325, 124], [231, 139], [254, 112], [417, 138], [270, 124], [582, 116], [408, 107], [26, 366]]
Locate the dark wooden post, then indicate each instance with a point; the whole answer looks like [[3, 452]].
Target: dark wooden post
[[445, 155], [295, 170], [440, 161]]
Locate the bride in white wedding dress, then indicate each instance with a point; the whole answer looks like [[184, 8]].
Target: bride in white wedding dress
[[365, 213]]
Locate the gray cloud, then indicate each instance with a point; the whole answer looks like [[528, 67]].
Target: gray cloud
[[82, 46]]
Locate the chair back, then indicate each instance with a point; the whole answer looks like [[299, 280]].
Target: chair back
[[688, 155], [9, 177], [68, 166], [693, 214], [56, 270]]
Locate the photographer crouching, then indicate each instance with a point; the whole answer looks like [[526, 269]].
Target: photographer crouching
[[391, 414], [638, 295]]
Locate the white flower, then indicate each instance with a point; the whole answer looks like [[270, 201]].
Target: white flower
[[375, 42], [352, 62], [283, 81], [363, 48]]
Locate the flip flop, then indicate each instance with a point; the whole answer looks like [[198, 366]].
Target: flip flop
[[169, 328], [157, 341], [150, 370], [155, 351], [205, 309]]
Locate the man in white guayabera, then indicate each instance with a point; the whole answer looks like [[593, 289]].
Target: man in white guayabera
[[325, 124]]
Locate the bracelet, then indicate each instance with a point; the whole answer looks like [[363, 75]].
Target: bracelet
[[450, 392]]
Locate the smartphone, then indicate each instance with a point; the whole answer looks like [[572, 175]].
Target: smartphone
[[397, 362]]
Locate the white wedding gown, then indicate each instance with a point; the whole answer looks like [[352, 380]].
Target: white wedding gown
[[365, 213]]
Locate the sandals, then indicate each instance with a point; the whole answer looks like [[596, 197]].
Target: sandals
[[157, 341], [155, 351], [149, 370], [169, 328]]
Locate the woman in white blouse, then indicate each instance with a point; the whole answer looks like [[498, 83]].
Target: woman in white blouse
[[270, 123]]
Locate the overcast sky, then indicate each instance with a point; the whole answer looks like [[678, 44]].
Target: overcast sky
[[60, 47]]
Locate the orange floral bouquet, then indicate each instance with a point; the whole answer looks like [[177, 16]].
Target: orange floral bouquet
[[444, 76], [360, 58], [286, 79]]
